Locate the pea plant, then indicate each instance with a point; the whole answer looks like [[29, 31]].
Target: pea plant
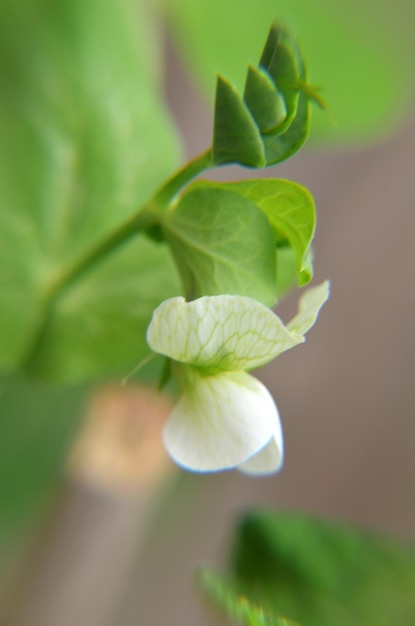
[[120, 263]]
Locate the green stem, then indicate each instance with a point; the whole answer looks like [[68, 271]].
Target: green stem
[[145, 217], [172, 187], [80, 266]]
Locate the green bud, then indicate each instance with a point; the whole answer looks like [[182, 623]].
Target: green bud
[[271, 121]]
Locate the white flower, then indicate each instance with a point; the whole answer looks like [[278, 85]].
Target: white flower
[[225, 418]]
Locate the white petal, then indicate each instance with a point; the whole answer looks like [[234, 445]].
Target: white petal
[[269, 460], [229, 332], [309, 307], [221, 332], [220, 422]]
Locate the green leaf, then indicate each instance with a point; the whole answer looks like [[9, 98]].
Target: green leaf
[[236, 138], [286, 271], [99, 323], [364, 65], [85, 141], [321, 573], [236, 607], [221, 243], [290, 210]]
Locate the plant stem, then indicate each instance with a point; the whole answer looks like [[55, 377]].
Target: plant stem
[[145, 217], [173, 186], [148, 215], [131, 227]]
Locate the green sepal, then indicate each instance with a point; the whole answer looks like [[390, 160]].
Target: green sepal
[[265, 102], [236, 138], [165, 374], [222, 243]]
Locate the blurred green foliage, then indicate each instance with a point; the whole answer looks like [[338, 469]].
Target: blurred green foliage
[[85, 141], [37, 424], [316, 573], [237, 608]]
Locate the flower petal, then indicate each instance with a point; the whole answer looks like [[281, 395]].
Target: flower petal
[[269, 460], [309, 307], [219, 332], [222, 332], [229, 333], [220, 422]]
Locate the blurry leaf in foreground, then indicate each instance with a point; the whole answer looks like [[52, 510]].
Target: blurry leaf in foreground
[[37, 424], [320, 573], [84, 142], [236, 607], [99, 323]]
